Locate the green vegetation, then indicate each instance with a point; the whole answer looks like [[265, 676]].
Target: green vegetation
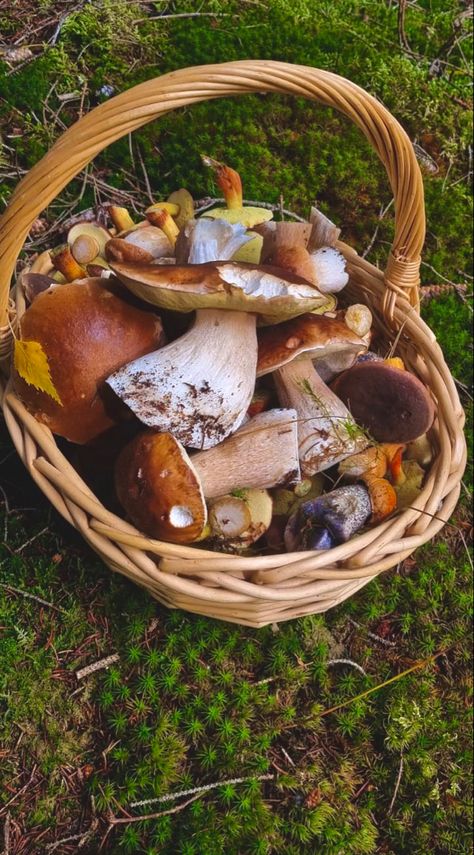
[[190, 701]]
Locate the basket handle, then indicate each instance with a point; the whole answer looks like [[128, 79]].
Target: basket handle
[[147, 101]]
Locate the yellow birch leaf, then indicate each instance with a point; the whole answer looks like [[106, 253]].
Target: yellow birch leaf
[[32, 365]]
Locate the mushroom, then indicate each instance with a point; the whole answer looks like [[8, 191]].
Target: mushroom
[[323, 231], [170, 207], [420, 450], [208, 240], [34, 284], [183, 199], [263, 453], [199, 387], [335, 517], [163, 489], [64, 261], [326, 429], [370, 466], [231, 185], [87, 241], [240, 519], [87, 329], [329, 519], [160, 489], [120, 218], [162, 219], [393, 405], [145, 244], [325, 267], [250, 252]]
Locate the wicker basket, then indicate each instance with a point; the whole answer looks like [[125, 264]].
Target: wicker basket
[[258, 590]]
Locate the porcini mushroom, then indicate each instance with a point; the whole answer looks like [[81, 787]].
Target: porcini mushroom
[[163, 489], [393, 405], [262, 453], [160, 489], [327, 432], [86, 329], [199, 387]]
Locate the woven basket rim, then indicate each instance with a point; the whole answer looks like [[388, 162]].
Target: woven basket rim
[[259, 589]]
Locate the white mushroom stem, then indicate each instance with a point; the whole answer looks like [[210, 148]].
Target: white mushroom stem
[[262, 453], [327, 432], [198, 387]]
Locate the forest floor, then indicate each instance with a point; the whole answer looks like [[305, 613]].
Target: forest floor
[[186, 702]]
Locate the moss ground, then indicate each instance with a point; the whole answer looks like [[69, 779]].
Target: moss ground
[[190, 701]]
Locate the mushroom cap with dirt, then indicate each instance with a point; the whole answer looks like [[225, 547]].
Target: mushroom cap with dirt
[[199, 387]]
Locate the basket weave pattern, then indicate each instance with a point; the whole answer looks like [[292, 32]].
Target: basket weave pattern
[[250, 590]]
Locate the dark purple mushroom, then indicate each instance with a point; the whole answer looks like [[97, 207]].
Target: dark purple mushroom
[[329, 519]]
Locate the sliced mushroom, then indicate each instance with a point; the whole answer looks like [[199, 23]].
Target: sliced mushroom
[[87, 240], [238, 521]]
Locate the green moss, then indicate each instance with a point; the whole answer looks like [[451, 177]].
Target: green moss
[[192, 701]]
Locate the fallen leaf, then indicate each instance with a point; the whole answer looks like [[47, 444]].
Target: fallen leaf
[[32, 365]]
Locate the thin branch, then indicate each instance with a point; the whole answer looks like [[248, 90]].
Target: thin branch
[[20, 792], [423, 664], [97, 666], [372, 635], [382, 212], [124, 820], [347, 662], [183, 15], [397, 785], [31, 540], [203, 789], [31, 597]]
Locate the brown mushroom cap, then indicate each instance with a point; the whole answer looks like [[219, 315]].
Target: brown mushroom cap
[[159, 488], [392, 405], [87, 329], [269, 291], [315, 335]]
